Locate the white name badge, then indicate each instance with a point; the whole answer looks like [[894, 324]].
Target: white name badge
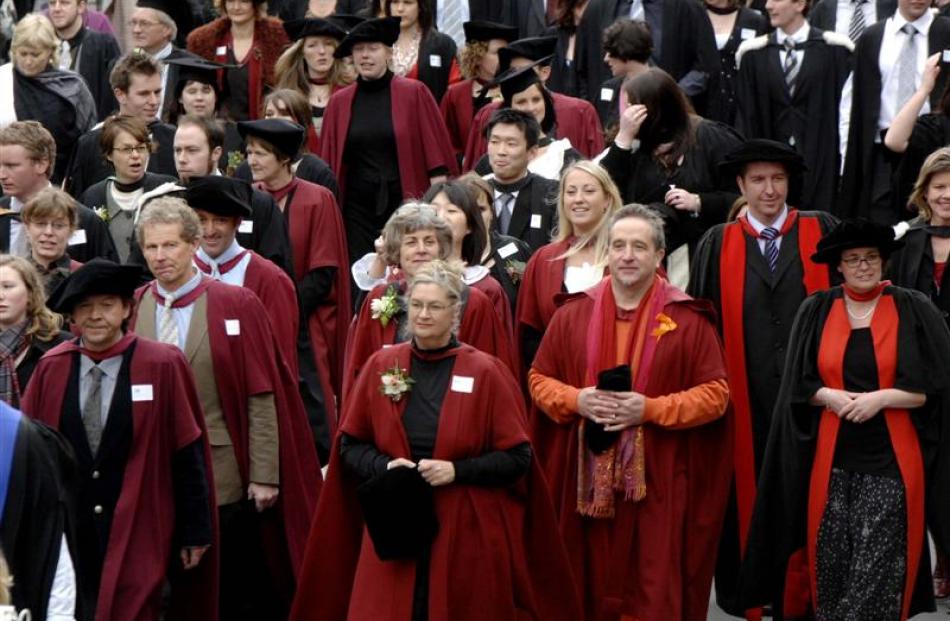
[[606, 94], [435, 60], [387, 345], [221, 50], [946, 56], [232, 327], [462, 383], [747, 33], [507, 250], [247, 226], [536, 221], [142, 392], [78, 237]]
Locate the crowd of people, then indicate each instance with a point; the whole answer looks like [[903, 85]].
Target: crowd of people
[[458, 310]]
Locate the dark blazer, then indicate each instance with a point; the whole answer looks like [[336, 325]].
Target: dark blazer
[[534, 213], [98, 240], [824, 14], [529, 17]]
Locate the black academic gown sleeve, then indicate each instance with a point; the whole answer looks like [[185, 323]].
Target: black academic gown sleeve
[[98, 239], [192, 517], [269, 236], [931, 132], [98, 52], [441, 49]]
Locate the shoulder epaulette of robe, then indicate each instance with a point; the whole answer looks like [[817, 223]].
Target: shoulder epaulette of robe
[[97, 126], [836, 38], [5, 212], [748, 45]]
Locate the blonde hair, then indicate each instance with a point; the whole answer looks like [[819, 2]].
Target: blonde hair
[[470, 57], [6, 581], [51, 203], [598, 236], [936, 163], [44, 324], [292, 73], [447, 275], [169, 210], [35, 30]]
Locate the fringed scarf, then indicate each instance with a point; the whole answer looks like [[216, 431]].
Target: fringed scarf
[[13, 342], [621, 467]]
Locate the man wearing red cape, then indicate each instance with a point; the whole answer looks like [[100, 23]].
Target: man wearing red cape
[[756, 300], [144, 498], [266, 471], [648, 466]]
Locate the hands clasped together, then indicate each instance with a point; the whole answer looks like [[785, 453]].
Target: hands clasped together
[[615, 410]]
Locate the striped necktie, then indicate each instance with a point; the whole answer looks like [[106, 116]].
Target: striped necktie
[[791, 67], [907, 66], [856, 28], [168, 331], [769, 234], [450, 21]]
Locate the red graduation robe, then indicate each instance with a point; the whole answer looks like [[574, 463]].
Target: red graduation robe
[[141, 540], [497, 554], [317, 239], [422, 142], [493, 291], [248, 364], [656, 557], [480, 327], [577, 121], [458, 111]]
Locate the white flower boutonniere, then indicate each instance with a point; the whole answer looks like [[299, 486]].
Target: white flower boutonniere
[[383, 309], [103, 213], [395, 382]]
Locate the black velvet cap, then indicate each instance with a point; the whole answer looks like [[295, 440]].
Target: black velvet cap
[[399, 513], [96, 277], [383, 30], [178, 10], [314, 27], [480, 30], [345, 21], [855, 233], [619, 379], [220, 195], [514, 81], [540, 49], [761, 150], [286, 136], [194, 68]]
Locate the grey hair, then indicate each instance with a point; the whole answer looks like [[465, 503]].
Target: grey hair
[[410, 218], [166, 20], [648, 215], [169, 210], [446, 275]]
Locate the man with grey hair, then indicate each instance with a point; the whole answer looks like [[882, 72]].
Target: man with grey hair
[[266, 472], [154, 28], [633, 373]]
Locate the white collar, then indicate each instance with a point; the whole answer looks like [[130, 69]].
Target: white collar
[[778, 224], [163, 53], [799, 36], [922, 23], [229, 253]]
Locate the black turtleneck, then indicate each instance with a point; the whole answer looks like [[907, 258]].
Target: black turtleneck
[[371, 140], [432, 374]]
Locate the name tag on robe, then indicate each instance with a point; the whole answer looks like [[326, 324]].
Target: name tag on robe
[[232, 327], [78, 237], [142, 392], [747, 33], [435, 60], [462, 383], [221, 50], [946, 56], [606, 94], [536, 221], [247, 226], [507, 250]]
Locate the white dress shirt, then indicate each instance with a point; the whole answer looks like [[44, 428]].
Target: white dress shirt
[[759, 227], [182, 313], [891, 46], [846, 9], [235, 275], [799, 37]]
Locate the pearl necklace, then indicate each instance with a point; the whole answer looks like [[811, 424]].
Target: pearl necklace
[[865, 315]]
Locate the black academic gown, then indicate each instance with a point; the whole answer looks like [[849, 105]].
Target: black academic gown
[[87, 165], [769, 307], [912, 267], [98, 51], [564, 78], [98, 241], [608, 102], [931, 131], [677, 50], [309, 168], [534, 213], [169, 102], [528, 16], [37, 513], [856, 184], [721, 95], [437, 52], [504, 249], [824, 14], [779, 520], [807, 120], [641, 180]]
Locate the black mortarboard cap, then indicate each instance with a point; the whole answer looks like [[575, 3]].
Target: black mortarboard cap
[[178, 10], [384, 30], [299, 28], [220, 195], [479, 30], [399, 512], [514, 81], [345, 21], [96, 277], [533, 48], [286, 136]]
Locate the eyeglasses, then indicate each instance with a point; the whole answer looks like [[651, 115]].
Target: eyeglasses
[[872, 260], [432, 307], [56, 225], [141, 149]]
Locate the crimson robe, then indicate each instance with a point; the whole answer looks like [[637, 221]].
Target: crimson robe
[[480, 327], [422, 142], [458, 111], [318, 239], [577, 121], [497, 554], [247, 364], [655, 558], [141, 540], [493, 291]]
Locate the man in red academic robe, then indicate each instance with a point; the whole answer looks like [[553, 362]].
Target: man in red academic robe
[[649, 450], [266, 473], [577, 119], [130, 410], [756, 299]]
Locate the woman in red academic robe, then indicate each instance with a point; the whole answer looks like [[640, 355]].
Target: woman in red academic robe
[[250, 42], [857, 456], [317, 242], [434, 431], [413, 237], [383, 136], [479, 63]]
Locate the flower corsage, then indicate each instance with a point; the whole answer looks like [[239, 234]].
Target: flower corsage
[[395, 382], [383, 309], [665, 324]]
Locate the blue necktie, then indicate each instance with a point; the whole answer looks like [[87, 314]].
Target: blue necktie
[[769, 234]]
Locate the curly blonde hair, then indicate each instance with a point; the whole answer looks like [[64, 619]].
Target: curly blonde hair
[[44, 324], [470, 57]]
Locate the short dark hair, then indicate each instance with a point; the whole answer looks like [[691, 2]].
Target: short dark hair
[[212, 128], [459, 195], [628, 39], [136, 61], [528, 125]]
